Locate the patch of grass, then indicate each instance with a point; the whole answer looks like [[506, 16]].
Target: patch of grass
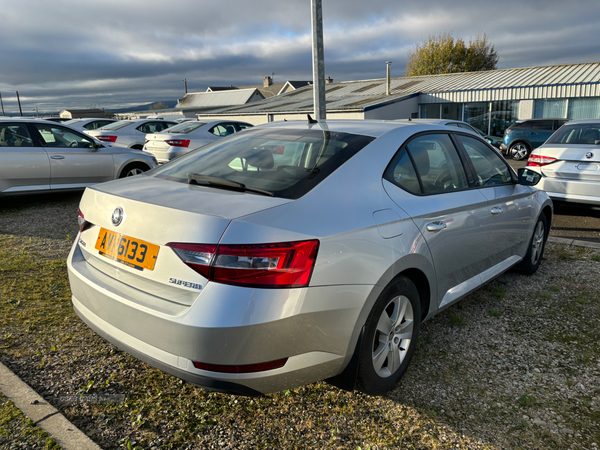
[[553, 288], [494, 313], [457, 321], [525, 401], [596, 258], [498, 292]]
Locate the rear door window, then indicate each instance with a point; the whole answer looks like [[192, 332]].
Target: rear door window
[[14, 135], [57, 136], [542, 125], [435, 162]]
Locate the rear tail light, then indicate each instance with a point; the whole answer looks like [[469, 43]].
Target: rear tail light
[[248, 368], [178, 142], [281, 265], [539, 160], [107, 138], [83, 224]]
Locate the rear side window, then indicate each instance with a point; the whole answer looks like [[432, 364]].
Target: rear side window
[[520, 125], [97, 124], [542, 125], [57, 136], [14, 135], [490, 170], [435, 163]]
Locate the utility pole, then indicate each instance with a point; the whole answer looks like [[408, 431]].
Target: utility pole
[[19, 100], [2, 103], [185, 84], [318, 60]]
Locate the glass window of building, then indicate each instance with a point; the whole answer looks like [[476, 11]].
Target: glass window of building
[[550, 109], [452, 111], [430, 111], [477, 115], [584, 108], [504, 114]]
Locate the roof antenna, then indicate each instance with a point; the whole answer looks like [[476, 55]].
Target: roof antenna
[[311, 120], [284, 119], [409, 119]]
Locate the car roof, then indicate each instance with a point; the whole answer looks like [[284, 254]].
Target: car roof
[[374, 128], [575, 121]]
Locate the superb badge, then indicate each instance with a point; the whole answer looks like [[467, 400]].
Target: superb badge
[[117, 216]]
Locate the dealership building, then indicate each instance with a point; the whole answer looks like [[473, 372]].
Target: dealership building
[[489, 100]]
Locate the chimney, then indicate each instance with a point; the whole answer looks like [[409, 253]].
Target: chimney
[[388, 77], [268, 81], [328, 80]]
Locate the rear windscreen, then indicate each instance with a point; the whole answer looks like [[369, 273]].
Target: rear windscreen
[[285, 162], [582, 134]]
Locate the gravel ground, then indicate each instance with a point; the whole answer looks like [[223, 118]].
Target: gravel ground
[[516, 365]]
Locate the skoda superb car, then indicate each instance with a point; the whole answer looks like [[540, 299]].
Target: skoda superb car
[[295, 252], [187, 136], [569, 163]]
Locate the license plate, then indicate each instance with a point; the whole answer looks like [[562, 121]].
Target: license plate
[[127, 250]]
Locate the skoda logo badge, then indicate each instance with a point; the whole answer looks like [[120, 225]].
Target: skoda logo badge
[[117, 216], [589, 154]]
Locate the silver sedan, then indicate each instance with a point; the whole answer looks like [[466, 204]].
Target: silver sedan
[[296, 252], [44, 156], [569, 162]]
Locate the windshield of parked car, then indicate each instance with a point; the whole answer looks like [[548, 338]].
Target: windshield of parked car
[[578, 134], [117, 125], [185, 127], [285, 162]]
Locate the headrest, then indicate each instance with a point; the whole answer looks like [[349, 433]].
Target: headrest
[[261, 158]]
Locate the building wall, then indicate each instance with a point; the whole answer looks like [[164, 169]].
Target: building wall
[[400, 110], [526, 109], [259, 119]]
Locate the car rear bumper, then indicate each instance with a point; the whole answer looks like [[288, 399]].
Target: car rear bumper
[[314, 328], [572, 191]]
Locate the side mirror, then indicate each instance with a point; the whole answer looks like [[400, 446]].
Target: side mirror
[[528, 177]]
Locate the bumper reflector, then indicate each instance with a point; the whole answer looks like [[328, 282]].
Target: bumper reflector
[[248, 368]]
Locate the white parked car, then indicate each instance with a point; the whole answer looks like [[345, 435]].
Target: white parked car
[[89, 123], [569, 162], [130, 133], [187, 136]]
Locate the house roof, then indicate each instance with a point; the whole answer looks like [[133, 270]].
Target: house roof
[[231, 97]]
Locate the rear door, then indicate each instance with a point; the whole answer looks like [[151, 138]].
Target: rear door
[[429, 182], [74, 160], [510, 205], [24, 164]]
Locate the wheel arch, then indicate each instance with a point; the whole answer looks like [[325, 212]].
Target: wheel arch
[[130, 163]]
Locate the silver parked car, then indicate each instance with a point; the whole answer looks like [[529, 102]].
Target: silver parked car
[[43, 156], [297, 252], [569, 162], [130, 133], [187, 136]]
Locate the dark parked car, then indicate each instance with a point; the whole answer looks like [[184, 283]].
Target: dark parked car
[[525, 135]]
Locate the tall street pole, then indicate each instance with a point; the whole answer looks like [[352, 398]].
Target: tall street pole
[[19, 100], [2, 103], [318, 56]]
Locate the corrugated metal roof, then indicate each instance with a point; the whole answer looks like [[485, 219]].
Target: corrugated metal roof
[[507, 84], [216, 99]]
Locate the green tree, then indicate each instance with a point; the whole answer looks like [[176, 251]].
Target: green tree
[[159, 105], [444, 54]]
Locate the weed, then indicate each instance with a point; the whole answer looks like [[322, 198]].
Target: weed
[[553, 288], [525, 401], [457, 321], [494, 313]]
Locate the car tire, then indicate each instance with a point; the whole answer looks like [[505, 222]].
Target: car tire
[[519, 151], [535, 251], [133, 169], [390, 337]]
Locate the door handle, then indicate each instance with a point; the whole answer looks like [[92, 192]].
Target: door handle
[[497, 210], [57, 157], [436, 226]]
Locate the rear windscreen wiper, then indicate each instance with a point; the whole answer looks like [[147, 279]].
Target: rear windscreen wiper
[[205, 180]]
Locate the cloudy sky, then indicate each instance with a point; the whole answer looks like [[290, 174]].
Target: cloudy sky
[[115, 53]]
